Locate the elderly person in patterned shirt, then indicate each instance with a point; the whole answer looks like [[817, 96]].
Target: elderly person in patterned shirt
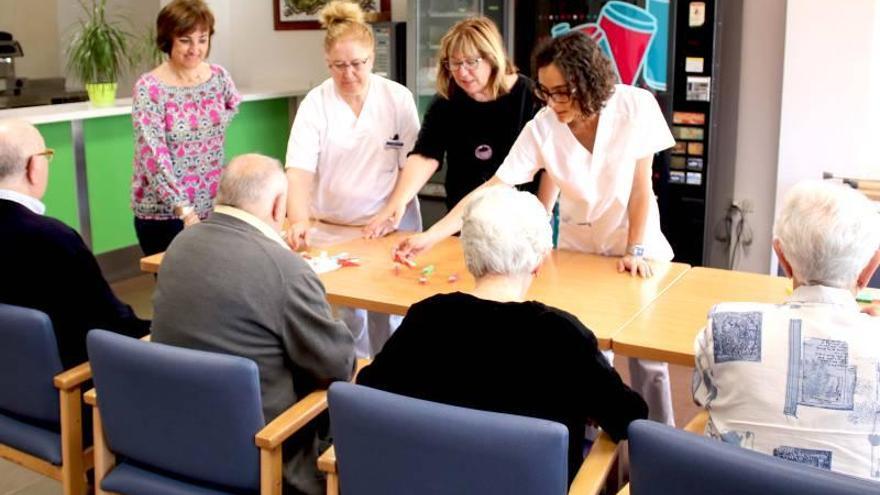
[[801, 380], [180, 113]]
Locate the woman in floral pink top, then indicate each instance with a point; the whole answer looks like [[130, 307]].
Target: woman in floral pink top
[[180, 113]]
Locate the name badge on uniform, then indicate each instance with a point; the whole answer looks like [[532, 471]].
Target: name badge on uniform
[[394, 142]]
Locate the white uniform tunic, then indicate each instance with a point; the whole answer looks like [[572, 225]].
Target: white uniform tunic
[[595, 187], [355, 159], [594, 194]]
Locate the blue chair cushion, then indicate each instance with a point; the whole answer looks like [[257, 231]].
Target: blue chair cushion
[[32, 439], [667, 461], [131, 479], [388, 443]]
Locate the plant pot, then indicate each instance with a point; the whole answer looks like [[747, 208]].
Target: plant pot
[[101, 94]]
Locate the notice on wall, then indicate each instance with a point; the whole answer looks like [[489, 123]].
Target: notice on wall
[[698, 88]]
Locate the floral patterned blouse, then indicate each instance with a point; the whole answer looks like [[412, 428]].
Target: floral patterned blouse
[[179, 134]]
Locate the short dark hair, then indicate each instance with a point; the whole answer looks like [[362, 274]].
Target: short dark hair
[[182, 17], [582, 63]]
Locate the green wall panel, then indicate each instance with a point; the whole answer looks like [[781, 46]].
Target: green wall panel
[[260, 127], [60, 198], [109, 154]]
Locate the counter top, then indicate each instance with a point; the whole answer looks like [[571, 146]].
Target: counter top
[[46, 114]]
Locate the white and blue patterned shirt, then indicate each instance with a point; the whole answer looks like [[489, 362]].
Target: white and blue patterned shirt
[[799, 380]]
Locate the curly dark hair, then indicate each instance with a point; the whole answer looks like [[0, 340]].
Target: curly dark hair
[[582, 63]]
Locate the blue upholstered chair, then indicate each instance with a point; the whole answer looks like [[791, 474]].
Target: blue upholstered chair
[[390, 444], [178, 421], [667, 461], [40, 404]]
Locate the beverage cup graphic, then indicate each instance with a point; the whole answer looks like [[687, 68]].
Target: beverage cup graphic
[[628, 30], [590, 29], [656, 59]]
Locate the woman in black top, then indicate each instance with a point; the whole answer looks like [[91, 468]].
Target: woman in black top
[[480, 108], [492, 350]]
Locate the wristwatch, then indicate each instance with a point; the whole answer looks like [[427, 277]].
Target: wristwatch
[[637, 250]]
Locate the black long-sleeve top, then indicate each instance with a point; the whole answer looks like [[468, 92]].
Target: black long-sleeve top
[[519, 358]]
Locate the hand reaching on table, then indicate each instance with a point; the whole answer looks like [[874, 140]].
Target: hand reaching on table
[[384, 222], [635, 265], [410, 247], [298, 235]]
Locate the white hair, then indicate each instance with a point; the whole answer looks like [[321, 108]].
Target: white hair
[[828, 233], [15, 142], [249, 179], [505, 232]]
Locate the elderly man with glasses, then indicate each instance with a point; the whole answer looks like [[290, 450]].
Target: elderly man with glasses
[[48, 266]]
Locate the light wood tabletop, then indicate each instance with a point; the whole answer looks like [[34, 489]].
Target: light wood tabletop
[[587, 286], [665, 331]]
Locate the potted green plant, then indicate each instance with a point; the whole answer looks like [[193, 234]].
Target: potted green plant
[[99, 52]]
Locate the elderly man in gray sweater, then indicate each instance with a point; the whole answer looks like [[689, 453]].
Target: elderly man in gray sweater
[[232, 285]]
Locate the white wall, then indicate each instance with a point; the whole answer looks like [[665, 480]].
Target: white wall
[[255, 54], [246, 42], [33, 24], [137, 17], [757, 140], [829, 92]]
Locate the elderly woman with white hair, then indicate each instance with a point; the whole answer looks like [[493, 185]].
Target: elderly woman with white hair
[[508, 354], [800, 380]]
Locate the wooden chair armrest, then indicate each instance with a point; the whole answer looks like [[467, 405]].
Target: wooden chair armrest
[[697, 424], [594, 471], [91, 397], [291, 420], [74, 377], [327, 461]]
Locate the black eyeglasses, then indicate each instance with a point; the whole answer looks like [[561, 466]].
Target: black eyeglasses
[[559, 96]]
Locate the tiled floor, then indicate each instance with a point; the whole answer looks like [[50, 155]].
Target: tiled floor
[[138, 293]]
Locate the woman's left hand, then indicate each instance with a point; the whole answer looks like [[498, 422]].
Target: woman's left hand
[[635, 265], [191, 219]]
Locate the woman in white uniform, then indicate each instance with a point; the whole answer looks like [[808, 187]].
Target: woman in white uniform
[[596, 142], [347, 144]]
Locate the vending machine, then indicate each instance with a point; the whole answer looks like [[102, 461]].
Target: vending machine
[[669, 48]]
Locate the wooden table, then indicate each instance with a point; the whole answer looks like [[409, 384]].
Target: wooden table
[[587, 286], [665, 331]]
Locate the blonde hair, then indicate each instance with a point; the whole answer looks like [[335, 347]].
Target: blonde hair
[[343, 19], [474, 35]]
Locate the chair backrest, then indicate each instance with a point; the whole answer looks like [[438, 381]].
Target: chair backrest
[[186, 412], [388, 443], [29, 361], [667, 461]]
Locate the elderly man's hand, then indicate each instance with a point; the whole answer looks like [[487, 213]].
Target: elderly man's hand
[[298, 235], [635, 265], [873, 310]]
